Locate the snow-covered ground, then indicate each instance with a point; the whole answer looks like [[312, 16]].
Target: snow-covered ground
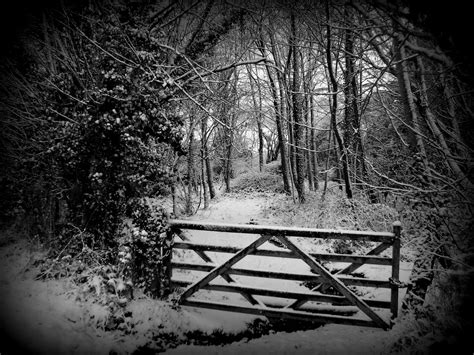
[[44, 317], [55, 317]]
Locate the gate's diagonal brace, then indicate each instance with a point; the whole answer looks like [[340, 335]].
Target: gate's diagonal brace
[[226, 277], [336, 283], [219, 270], [349, 269], [354, 266], [376, 251]]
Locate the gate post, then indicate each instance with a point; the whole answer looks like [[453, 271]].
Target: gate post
[[394, 280], [166, 254]]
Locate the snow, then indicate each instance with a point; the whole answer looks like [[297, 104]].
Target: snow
[[329, 339], [52, 317], [43, 316]]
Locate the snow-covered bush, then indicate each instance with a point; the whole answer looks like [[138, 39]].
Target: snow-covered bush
[[255, 181], [145, 249]]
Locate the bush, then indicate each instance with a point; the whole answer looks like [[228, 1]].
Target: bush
[[145, 249], [258, 182], [334, 212]]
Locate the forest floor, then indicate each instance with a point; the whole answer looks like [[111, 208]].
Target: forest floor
[[57, 316]]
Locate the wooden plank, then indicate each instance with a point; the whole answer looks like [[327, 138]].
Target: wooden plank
[[219, 270], [281, 314], [318, 308], [357, 259], [397, 230], [347, 280], [356, 264], [284, 231], [312, 296], [207, 259], [337, 284], [201, 254]]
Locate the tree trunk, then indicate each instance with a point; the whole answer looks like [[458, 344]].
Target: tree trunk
[[432, 124], [228, 159], [259, 117], [312, 145], [308, 156], [279, 124], [415, 139], [210, 177], [307, 128], [205, 191], [352, 136], [326, 175], [344, 156], [190, 166], [451, 103], [297, 115]]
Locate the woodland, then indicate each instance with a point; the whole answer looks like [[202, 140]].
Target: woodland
[[107, 104]]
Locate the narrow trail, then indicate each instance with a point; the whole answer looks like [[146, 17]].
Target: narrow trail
[[235, 209]]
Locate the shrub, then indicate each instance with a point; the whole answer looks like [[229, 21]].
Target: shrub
[[145, 249], [258, 182]]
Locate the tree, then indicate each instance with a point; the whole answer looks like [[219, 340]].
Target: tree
[[297, 115]]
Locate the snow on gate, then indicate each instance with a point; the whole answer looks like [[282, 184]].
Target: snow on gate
[[278, 272]]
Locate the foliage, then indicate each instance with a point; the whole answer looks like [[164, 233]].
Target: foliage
[[145, 249], [334, 212], [106, 137]]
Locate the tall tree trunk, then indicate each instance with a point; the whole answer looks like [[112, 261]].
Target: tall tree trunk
[[259, 117], [451, 103], [312, 156], [190, 168], [415, 139], [210, 175], [344, 155], [291, 143], [312, 145], [279, 119], [205, 191], [307, 128], [309, 160], [352, 135], [432, 124], [352, 138], [326, 175], [297, 114], [228, 159]]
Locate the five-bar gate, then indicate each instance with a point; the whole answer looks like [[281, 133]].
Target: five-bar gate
[[321, 278]]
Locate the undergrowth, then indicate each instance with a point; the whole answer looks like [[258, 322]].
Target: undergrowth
[[255, 181], [333, 212]]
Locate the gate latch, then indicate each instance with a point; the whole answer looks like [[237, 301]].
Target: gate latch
[[397, 283]]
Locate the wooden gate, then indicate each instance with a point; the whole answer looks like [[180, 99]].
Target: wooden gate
[[322, 279]]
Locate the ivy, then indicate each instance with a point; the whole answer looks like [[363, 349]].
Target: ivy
[[145, 249]]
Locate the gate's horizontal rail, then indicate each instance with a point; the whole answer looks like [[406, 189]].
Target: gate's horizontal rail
[[347, 280], [310, 296], [284, 231], [281, 314], [357, 259]]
